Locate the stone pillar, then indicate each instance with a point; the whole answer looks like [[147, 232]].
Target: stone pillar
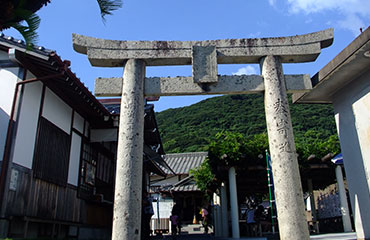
[[234, 204], [217, 216], [224, 213], [347, 226], [129, 169], [287, 181], [313, 205]]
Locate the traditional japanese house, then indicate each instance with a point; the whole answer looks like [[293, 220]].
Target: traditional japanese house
[[58, 146], [179, 184]]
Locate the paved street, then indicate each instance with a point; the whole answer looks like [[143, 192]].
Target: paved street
[[331, 236]]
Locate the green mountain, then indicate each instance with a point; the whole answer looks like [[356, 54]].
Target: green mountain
[[191, 128]]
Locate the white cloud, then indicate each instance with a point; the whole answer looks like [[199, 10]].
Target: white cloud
[[353, 23], [353, 13], [272, 2], [247, 70]]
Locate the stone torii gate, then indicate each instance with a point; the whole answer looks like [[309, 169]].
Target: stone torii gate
[[204, 56]]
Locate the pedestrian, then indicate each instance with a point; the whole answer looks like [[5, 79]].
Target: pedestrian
[[175, 221], [205, 218], [251, 221]]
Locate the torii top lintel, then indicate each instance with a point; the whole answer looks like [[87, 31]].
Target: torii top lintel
[[113, 53]]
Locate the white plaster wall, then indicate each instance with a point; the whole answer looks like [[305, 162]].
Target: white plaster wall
[[8, 80], [361, 109], [78, 122], [87, 126], [352, 110], [27, 125], [30, 75], [74, 159], [57, 111], [104, 135], [4, 55], [167, 181]]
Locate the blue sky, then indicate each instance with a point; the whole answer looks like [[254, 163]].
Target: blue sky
[[197, 20]]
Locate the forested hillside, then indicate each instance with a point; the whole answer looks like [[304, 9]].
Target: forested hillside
[[190, 129]]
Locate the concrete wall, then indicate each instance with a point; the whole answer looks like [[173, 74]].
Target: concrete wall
[[352, 114]]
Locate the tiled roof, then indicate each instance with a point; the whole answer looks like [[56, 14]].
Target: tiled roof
[[21, 45], [185, 185], [181, 163], [185, 188]]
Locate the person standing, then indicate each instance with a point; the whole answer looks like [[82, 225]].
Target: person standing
[[251, 221], [205, 218], [175, 221]]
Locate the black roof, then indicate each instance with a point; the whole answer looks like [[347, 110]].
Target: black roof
[[55, 73]]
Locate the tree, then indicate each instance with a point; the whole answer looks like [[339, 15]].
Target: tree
[[230, 149], [13, 13], [205, 178]]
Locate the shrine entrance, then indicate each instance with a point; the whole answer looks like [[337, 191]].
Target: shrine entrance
[[204, 56]]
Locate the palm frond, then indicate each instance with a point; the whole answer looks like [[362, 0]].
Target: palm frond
[[108, 6], [28, 31]]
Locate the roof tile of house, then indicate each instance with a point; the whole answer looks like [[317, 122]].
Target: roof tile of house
[[181, 163]]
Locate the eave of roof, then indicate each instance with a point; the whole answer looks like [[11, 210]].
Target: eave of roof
[[348, 65], [157, 160], [151, 133], [44, 62], [185, 185]]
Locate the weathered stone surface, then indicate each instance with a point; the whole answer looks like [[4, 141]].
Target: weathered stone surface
[[242, 84], [82, 43], [287, 182], [111, 53], [204, 64], [129, 168]]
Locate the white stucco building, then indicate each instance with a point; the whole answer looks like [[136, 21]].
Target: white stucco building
[[345, 83]]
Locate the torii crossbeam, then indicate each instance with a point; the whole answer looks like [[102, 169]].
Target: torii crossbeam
[[204, 56]]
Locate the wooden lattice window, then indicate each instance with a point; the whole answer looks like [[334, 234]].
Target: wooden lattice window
[[88, 168], [97, 170]]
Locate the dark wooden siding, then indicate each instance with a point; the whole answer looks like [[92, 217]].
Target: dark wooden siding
[[52, 149], [40, 199]]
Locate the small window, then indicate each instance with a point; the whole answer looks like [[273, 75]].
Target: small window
[[88, 169], [106, 167], [97, 170]]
